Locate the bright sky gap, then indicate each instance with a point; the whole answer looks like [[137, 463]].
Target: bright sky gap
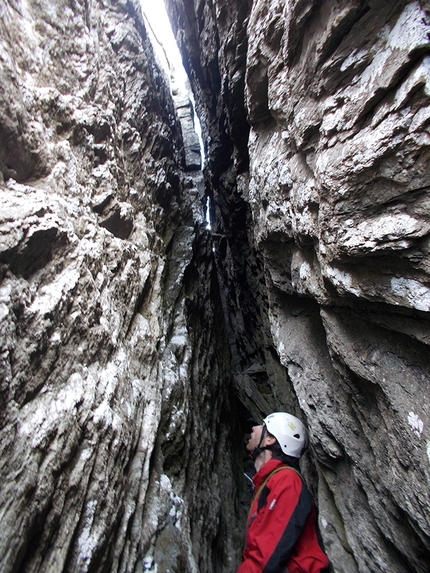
[[167, 52]]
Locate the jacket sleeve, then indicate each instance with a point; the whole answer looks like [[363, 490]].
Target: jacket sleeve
[[275, 530]]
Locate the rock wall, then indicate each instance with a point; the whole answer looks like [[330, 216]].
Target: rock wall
[[316, 119], [114, 386], [123, 321]]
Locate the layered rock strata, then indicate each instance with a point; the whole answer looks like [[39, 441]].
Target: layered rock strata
[[316, 118], [115, 446]]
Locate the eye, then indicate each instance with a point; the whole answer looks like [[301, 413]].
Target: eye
[[297, 436]]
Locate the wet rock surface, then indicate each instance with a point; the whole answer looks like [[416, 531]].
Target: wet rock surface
[[316, 118]]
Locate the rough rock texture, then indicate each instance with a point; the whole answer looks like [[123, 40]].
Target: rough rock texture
[[120, 331], [316, 118], [115, 449]]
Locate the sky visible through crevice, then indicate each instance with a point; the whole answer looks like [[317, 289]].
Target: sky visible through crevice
[[167, 52], [163, 41]]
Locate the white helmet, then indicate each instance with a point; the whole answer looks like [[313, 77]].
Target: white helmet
[[291, 434]]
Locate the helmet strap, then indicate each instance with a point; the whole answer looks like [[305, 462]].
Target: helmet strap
[[259, 449]]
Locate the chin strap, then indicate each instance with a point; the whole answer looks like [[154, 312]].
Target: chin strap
[[260, 448]]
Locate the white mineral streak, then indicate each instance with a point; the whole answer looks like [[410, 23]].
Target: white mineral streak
[[383, 232], [416, 424], [87, 541], [343, 281], [411, 293]]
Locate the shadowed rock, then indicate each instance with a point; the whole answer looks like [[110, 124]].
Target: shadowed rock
[[322, 245]]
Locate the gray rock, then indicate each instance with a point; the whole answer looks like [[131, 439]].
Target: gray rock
[[322, 245], [136, 347], [114, 367]]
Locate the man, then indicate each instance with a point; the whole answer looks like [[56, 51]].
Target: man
[[282, 531]]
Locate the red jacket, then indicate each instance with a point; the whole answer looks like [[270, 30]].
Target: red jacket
[[282, 526]]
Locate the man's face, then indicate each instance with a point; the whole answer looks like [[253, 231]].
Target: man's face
[[254, 440]]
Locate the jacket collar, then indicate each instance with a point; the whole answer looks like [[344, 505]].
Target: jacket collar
[[266, 470]]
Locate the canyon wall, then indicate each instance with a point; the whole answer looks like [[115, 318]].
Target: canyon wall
[[136, 347], [316, 120], [114, 388]]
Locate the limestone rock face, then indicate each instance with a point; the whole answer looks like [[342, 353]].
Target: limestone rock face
[[316, 117], [115, 450]]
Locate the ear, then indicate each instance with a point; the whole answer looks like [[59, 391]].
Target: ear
[[269, 440]]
